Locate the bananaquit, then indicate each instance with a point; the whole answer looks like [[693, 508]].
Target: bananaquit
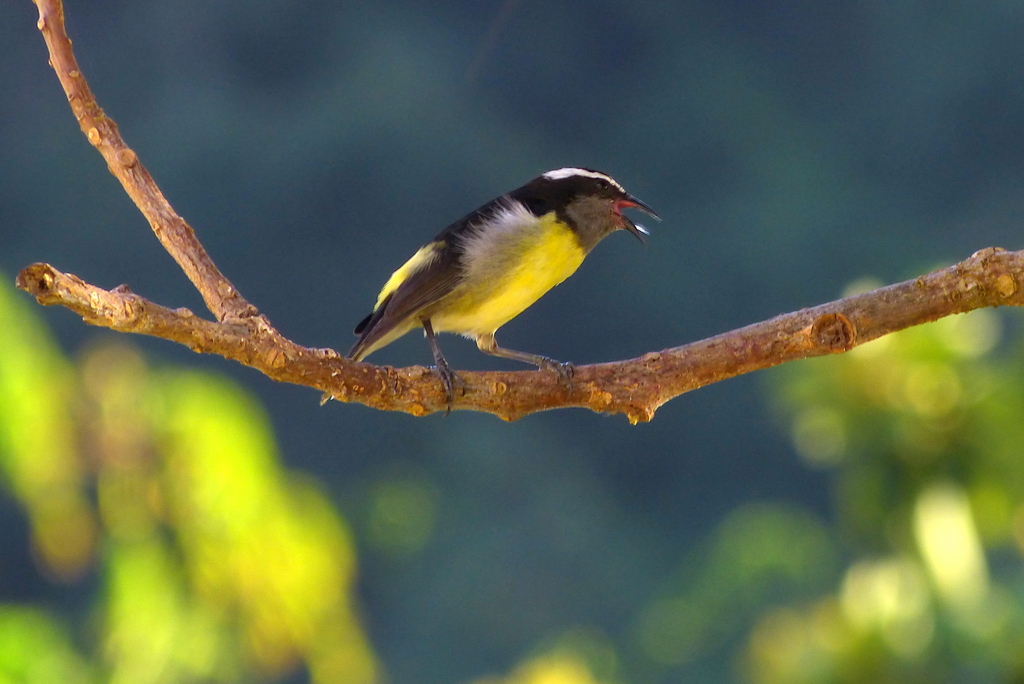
[[489, 266]]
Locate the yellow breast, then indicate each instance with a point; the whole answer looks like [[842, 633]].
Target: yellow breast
[[507, 273]]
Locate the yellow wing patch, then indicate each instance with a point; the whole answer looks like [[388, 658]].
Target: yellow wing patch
[[420, 260]]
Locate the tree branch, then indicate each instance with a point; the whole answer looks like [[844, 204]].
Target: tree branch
[[635, 387], [177, 237]]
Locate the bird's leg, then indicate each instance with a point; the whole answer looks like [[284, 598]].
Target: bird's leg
[[488, 345], [449, 378]]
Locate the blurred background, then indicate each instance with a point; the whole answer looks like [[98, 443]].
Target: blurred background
[[167, 517]]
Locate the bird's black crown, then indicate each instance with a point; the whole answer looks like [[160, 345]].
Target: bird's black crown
[[554, 190]]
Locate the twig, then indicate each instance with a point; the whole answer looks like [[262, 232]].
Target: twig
[[635, 387]]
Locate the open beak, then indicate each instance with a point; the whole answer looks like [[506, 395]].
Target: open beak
[[630, 202]]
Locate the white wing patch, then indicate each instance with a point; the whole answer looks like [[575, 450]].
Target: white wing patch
[[570, 171]]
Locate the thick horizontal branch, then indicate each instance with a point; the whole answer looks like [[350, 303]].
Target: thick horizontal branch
[[635, 387]]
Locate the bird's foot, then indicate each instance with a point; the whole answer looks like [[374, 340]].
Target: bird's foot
[[451, 380], [563, 369]]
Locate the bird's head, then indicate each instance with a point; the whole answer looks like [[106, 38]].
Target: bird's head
[[591, 202]]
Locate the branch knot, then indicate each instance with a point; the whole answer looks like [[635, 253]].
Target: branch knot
[[834, 332]]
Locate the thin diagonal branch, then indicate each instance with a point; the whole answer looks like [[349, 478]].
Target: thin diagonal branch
[[635, 387], [177, 237]]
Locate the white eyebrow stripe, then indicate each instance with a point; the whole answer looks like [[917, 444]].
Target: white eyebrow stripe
[[569, 171]]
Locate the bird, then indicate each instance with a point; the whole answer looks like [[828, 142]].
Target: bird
[[492, 264]]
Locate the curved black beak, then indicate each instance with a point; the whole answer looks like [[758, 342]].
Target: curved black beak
[[630, 202]]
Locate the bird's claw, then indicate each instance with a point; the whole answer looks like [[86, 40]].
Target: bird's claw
[[563, 369], [450, 379]]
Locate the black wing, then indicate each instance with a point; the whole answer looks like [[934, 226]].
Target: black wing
[[418, 291], [424, 286]]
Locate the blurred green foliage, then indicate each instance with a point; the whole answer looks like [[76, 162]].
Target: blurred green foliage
[[576, 656], [214, 563], [34, 647], [923, 432], [759, 554]]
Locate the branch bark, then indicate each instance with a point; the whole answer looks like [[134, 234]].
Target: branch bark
[[635, 387]]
